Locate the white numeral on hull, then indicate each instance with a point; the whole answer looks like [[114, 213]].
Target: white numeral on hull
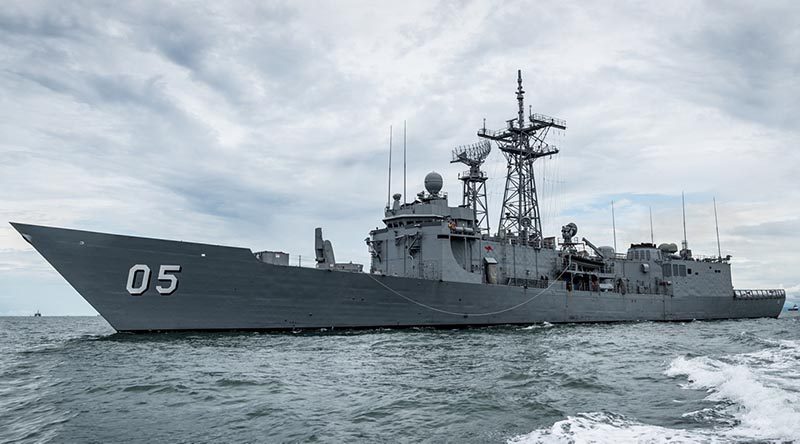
[[144, 284], [132, 289], [173, 280]]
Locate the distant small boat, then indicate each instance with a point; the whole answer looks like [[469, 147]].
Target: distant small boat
[[37, 314], [794, 308]]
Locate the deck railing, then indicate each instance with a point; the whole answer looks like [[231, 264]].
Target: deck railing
[[759, 294]]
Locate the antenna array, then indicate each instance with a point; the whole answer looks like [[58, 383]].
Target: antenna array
[[522, 142], [474, 180]]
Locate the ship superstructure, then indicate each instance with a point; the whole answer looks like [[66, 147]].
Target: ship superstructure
[[432, 264], [428, 239]]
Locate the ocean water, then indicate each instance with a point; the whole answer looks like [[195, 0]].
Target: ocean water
[[75, 380]]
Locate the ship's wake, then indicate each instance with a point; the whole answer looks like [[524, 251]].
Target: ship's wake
[[751, 396], [759, 390]]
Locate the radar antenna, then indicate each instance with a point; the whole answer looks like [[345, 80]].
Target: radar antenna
[[522, 142], [474, 180]]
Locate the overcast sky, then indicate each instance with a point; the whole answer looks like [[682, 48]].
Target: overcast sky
[[251, 123]]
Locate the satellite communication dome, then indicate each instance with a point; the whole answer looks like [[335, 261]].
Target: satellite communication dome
[[434, 182]]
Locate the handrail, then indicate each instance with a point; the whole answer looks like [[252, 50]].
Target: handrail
[[548, 119], [775, 293], [477, 175]]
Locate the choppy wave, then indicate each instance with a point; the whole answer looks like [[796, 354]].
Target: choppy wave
[[24, 417], [71, 380]]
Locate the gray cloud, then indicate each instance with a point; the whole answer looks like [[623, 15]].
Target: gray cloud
[[42, 20], [250, 124], [775, 229]]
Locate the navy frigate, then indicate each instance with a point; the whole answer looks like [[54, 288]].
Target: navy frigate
[[432, 264]]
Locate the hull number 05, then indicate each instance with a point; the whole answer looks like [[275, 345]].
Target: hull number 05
[[168, 283]]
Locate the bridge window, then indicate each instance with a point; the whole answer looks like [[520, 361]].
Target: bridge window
[[682, 270], [648, 255], [667, 270]]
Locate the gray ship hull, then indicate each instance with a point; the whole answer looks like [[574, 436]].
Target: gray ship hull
[[227, 288]]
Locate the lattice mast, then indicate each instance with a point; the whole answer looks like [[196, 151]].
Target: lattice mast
[[474, 181], [522, 142]]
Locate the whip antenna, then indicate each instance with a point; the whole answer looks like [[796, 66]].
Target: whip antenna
[[716, 222], [405, 193], [389, 187], [683, 205], [614, 226]]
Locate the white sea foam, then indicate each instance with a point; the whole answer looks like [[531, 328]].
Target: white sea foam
[[544, 324], [599, 427], [762, 388]]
